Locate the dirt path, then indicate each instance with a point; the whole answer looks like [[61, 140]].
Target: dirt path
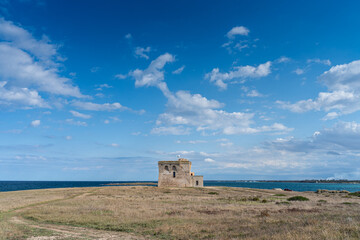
[[65, 232]]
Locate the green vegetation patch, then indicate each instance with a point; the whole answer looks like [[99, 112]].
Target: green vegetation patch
[[298, 198], [213, 193], [322, 201], [280, 195], [356, 194]]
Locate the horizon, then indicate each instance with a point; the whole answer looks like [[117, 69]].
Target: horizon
[[249, 90]]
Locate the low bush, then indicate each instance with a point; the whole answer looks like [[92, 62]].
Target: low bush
[[356, 194], [298, 198], [213, 193]]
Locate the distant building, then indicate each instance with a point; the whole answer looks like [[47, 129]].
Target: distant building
[[178, 174]]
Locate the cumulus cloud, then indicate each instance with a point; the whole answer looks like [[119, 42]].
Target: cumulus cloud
[[153, 75], [242, 72], [239, 30], [29, 66], [20, 96], [343, 83], [210, 160], [186, 110], [35, 123], [142, 52]]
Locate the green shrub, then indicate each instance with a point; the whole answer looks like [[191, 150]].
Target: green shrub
[[322, 201], [280, 195], [298, 198], [356, 194], [285, 203], [213, 193]]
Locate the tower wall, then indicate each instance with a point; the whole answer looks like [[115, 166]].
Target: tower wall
[[181, 178]]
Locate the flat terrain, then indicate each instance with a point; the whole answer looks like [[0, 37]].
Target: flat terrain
[[145, 212]]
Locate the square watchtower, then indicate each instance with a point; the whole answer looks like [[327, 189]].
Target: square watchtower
[[178, 174]]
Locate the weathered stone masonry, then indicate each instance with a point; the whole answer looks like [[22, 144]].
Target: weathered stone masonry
[[178, 174]]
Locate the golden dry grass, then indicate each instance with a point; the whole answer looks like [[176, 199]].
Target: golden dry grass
[[190, 213]]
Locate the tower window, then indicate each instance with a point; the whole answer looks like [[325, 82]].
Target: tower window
[[166, 168], [197, 183], [174, 174], [174, 168]]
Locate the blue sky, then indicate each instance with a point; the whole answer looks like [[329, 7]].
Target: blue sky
[[102, 90]]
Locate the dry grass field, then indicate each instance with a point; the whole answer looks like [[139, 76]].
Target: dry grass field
[[145, 212]]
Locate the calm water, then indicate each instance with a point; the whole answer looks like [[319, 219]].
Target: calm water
[[27, 185]]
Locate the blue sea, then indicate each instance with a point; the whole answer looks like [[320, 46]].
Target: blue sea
[[295, 186]]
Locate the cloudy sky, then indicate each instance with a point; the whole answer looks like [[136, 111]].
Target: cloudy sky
[[102, 90]]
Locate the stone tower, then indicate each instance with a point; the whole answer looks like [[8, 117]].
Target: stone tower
[[178, 174]]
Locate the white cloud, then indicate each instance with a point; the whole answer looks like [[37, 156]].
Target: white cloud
[[21, 96], [340, 138], [80, 115], [210, 160], [299, 71], [142, 52], [283, 59], [239, 30], [194, 110], [106, 121], [343, 77], [241, 72], [171, 130], [179, 70], [76, 123], [226, 144], [128, 36], [153, 75], [35, 123], [102, 86], [29, 66], [254, 93], [68, 138], [192, 142], [98, 107], [120, 76], [22, 39], [331, 115], [317, 60], [343, 82]]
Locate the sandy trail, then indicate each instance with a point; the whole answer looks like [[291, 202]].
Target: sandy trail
[[64, 232]]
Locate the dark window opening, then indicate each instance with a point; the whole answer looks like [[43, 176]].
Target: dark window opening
[[174, 168], [197, 183], [166, 168], [174, 174]]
